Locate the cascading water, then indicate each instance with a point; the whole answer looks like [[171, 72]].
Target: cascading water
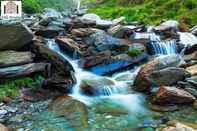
[[116, 92], [160, 47]]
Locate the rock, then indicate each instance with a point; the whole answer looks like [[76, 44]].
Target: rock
[[49, 32], [95, 86], [83, 32], [191, 49], [62, 85], [171, 23], [192, 70], [3, 128], [166, 108], [119, 20], [117, 63], [61, 65], [25, 70], [104, 42], [95, 60], [178, 127], [142, 82], [172, 95], [137, 48], [14, 36], [164, 77], [13, 58], [73, 110], [69, 46], [91, 17], [190, 57], [52, 13], [103, 24]]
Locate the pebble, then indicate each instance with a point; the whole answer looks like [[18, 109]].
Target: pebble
[[108, 117]]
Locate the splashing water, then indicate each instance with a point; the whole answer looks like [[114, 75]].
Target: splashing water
[[162, 47]]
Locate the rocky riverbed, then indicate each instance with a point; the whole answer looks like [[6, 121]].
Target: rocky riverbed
[[97, 75]]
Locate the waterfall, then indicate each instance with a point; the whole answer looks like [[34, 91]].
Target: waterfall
[[162, 47], [80, 74]]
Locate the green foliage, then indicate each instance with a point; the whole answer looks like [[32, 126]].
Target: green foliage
[[134, 52], [31, 6], [150, 11], [11, 87]]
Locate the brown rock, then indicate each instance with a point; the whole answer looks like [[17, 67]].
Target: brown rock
[[94, 60], [164, 77], [172, 95], [83, 32], [142, 81], [73, 110], [178, 127]]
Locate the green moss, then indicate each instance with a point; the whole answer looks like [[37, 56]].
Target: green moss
[[11, 87], [149, 12], [134, 52]]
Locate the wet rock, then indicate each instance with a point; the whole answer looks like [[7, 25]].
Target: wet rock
[[103, 24], [49, 32], [195, 105], [69, 46], [119, 20], [73, 110], [83, 32], [3, 128], [14, 36], [142, 82], [192, 70], [13, 58], [190, 57], [191, 49], [168, 29], [95, 86], [95, 60], [118, 63], [172, 95], [104, 42], [164, 76]]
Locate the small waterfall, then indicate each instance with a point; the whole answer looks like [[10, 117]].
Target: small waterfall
[[80, 74], [162, 47]]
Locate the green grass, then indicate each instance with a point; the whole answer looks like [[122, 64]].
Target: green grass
[[134, 52], [151, 11], [11, 88]]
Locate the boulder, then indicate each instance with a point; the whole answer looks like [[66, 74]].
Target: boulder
[[103, 24], [187, 39], [102, 41], [95, 60], [171, 23], [13, 58], [69, 46], [72, 110], [3, 128], [49, 32], [172, 95], [192, 70], [164, 77], [95, 86], [14, 36], [142, 82]]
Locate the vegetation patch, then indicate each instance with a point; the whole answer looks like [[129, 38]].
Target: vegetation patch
[[134, 52], [11, 88]]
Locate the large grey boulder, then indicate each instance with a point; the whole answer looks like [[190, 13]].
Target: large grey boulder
[[14, 36]]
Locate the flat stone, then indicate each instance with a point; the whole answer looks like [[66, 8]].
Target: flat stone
[[192, 70], [12, 58]]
